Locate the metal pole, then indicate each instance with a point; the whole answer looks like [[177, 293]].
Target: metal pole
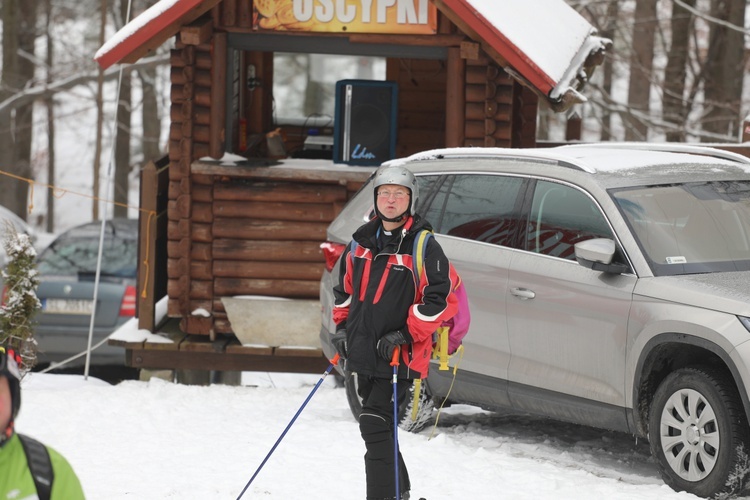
[[394, 364], [334, 361]]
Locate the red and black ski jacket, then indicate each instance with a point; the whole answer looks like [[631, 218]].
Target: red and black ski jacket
[[378, 292]]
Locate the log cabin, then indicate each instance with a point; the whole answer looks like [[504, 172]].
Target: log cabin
[[240, 204]]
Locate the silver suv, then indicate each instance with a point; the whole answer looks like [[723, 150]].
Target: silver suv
[[609, 286]]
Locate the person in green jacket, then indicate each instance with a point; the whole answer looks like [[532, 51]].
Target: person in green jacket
[[16, 479]]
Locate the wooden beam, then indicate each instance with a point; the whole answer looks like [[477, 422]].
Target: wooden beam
[[411, 40], [223, 361], [197, 32], [455, 96]]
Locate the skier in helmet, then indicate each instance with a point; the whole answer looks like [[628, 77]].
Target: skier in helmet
[[382, 305], [28, 469]]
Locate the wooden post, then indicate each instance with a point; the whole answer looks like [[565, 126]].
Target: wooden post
[[573, 127], [151, 273], [454, 99]]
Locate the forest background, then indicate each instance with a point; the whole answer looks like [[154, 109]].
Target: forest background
[[676, 72]]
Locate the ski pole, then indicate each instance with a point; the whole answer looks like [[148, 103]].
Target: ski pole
[[334, 361], [394, 364]]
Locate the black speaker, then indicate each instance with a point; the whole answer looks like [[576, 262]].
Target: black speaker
[[364, 130]]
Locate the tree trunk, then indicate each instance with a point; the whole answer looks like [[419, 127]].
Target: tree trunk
[[608, 69], [723, 79], [122, 148], [9, 187], [150, 115], [675, 108], [99, 117], [641, 64], [50, 103], [19, 35], [122, 135]]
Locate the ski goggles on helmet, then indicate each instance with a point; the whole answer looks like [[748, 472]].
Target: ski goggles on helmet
[[9, 362]]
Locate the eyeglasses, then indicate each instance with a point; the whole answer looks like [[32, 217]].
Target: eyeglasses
[[399, 195]]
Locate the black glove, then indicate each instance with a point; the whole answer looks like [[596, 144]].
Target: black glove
[[390, 341], [338, 340]]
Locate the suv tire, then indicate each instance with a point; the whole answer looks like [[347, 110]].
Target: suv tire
[[698, 432], [424, 412]]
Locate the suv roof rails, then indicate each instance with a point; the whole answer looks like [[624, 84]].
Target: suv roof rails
[[545, 155], [666, 147]]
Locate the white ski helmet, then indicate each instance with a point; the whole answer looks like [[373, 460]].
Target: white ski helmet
[[399, 176]]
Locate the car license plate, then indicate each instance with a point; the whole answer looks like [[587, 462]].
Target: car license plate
[[62, 306]]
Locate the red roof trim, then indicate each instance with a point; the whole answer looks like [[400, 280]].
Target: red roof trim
[[160, 27], [166, 24], [511, 53]]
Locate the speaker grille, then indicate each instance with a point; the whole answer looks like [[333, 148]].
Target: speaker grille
[[365, 126]]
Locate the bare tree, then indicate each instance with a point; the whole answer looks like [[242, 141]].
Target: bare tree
[[723, 79], [50, 103], [19, 35], [99, 116], [675, 107], [641, 65], [122, 134]]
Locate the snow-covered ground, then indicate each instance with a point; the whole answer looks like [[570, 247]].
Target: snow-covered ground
[[156, 440]]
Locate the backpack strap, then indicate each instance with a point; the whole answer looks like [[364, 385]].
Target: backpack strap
[[418, 252], [40, 466]]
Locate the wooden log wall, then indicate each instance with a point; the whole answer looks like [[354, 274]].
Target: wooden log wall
[[266, 238], [421, 104], [489, 104], [525, 110], [198, 72]]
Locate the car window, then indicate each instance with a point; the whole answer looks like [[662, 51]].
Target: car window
[[478, 207], [78, 256], [433, 190], [690, 228], [560, 217]]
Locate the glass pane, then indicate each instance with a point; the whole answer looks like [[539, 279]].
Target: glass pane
[[69, 257], [304, 85], [561, 216], [481, 208], [690, 228]]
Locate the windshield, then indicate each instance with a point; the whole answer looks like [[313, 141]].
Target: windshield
[[690, 228]]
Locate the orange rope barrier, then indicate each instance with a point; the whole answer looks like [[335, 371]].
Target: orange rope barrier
[[63, 191]]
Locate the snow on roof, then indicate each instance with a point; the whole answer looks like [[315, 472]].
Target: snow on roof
[[149, 15], [550, 34]]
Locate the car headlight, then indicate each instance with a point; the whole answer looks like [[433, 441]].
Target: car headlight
[[745, 322]]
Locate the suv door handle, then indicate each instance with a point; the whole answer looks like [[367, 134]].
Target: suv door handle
[[523, 293]]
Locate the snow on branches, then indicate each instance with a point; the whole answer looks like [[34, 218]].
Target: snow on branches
[[20, 302]]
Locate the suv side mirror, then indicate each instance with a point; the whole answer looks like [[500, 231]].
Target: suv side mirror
[[597, 253]]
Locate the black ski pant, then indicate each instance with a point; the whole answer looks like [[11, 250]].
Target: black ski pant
[[376, 427]]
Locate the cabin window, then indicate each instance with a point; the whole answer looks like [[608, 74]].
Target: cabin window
[[304, 85]]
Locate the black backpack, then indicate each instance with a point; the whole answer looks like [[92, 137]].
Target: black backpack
[[40, 466]]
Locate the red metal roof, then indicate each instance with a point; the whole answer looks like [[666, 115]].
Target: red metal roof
[[151, 29]]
